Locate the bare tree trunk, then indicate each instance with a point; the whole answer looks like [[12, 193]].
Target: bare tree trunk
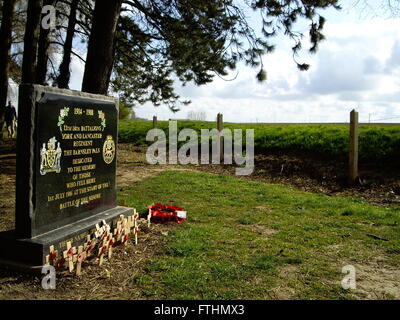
[[100, 55], [65, 74], [5, 45], [43, 50], [31, 38]]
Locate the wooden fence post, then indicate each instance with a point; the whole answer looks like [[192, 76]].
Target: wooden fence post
[[220, 127], [154, 122], [154, 127], [353, 147]]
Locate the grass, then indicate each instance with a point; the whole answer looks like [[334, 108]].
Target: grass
[[375, 143], [4, 135], [242, 236]]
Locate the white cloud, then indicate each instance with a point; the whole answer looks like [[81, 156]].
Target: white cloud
[[358, 66], [77, 69]]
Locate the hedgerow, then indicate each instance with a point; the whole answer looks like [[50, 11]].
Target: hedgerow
[[376, 143]]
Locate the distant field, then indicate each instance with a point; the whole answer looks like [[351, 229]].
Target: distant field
[[376, 143]]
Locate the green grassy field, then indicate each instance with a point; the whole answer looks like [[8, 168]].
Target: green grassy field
[[376, 143], [251, 240]]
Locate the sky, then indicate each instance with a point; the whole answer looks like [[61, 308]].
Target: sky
[[356, 67]]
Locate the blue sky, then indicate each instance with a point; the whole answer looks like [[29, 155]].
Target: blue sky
[[357, 66]]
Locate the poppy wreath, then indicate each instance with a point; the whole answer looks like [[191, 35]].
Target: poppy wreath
[[161, 213]]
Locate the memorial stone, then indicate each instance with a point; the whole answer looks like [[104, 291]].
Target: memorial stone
[[66, 172]]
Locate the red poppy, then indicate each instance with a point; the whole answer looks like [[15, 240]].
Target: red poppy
[[60, 263], [53, 255], [126, 238], [70, 252], [80, 257], [165, 213], [103, 250]]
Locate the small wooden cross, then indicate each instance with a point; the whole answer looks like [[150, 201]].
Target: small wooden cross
[[69, 256], [97, 232], [110, 245], [103, 236], [89, 246], [80, 258], [118, 231], [136, 231], [102, 251], [123, 221], [64, 259], [149, 218], [125, 238], [52, 257], [106, 226], [115, 232], [135, 214], [130, 222], [135, 218], [126, 226]]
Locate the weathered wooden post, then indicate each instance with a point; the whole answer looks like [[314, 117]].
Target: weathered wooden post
[[154, 126], [353, 147], [154, 122], [220, 127]]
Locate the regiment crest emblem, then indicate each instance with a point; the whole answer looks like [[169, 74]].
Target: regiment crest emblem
[[50, 156], [109, 150]]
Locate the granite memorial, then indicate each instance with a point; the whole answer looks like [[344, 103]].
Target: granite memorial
[[66, 172]]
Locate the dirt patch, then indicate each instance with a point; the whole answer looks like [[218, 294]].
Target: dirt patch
[[117, 279], [288, 276], [263, 209], [264, 231], [379, 184], [133, 167], [375, 279], [335, 248], [7, 193], [7, 183]]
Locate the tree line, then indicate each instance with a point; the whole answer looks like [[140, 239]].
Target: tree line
[[138, 49]]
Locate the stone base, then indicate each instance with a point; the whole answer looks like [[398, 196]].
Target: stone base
[[30, 254]]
